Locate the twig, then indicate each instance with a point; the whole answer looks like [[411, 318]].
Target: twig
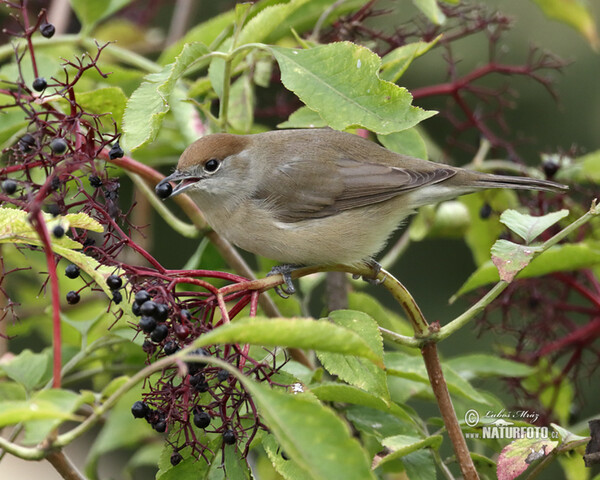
[[64, 466]]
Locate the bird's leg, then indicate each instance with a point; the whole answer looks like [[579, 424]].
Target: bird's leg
[[286, 290], [372, 279]]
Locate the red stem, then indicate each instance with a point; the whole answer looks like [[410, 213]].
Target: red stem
[[40, 226]]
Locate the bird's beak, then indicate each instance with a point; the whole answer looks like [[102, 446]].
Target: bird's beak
[[185, 180]]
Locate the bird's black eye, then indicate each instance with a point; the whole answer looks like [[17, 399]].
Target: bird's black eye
[[211, 165]]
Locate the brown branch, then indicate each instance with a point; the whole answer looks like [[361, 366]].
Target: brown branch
[[64, 466]]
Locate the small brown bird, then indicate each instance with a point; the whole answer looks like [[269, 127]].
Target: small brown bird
[[317, 196]]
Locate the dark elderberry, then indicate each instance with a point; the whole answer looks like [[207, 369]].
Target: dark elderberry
[[229, 437], [139, 409], [550, 166], [162, 312], [485, 211], [26, 142], [163, 190], [160, 426], [117, 297], [58, 146], [114, 282], [9, 186], [95, 181], [202, 387], [197, 379], [39, 84], [222, 375], [176, 458], [159, 333], [116, 151], [201, 419], [72, 271], [53, 209], [170, 347], [148, 347], [147, 324], [73, 297], [148, 308], [196, 366], [47, 30], [141, 297], [135, 309], [58, 231]]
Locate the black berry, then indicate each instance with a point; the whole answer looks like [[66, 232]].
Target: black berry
[[148, 347], [58, 231], [197, 366], [228, 437], [197, 379], [485, 211], [159, 333], [58, 146], [114, 282], [39, 84], [26, 142], [163, 190], [160, 426], [9, 186], [135, 309], [141, 297], [148, 308], [139, 409], [201, 419], [95, 181], [550, 167], [117, 297], [170, 347], [73, 297], [72, 271], [176, 458], [116, 151], [222, 375], [147, 324], [47, 30], [162, 312], [202, 387]]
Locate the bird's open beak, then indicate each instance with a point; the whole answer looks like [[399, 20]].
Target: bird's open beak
[[185, 181]]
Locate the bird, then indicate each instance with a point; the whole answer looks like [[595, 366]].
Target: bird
[[307, 197]]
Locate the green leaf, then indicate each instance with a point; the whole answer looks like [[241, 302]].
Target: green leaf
[[559, 258], [305, 429], [13, 411], [286, 467], [479, 365], [241, 104], [12, 120], [419, 465], [517, 455], [567, 437], [90, 12], [384, 317], [66, 401], [148, 105], [358, 371], [27, 368], [110, 100], [585, 169], [236, 467], [407, 142], [431, 10], [340, 82], [291, 332], [575, 13], [12, 391], [529, 227], [413, 368], [304, 117], [510, 258], [395, 63], [402, 445], [377, 423]]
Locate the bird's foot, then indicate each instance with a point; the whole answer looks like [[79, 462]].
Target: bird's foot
[[372, 279], [287, 289]]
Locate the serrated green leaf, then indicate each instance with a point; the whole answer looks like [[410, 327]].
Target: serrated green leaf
[[236, 467], [395, 63], [480, 365], [12, 120], [419, 465], [403, 445], [510, 258], [148, 105], [111, 100], [90, 12], [286, 467], [304, 428], [12, 391], [559, 258], [291, 332], [413, 368], [14, 411], [27, 368], [353, 370], [576, 14], [431, 10], [529, 227], [304, 117], [408, 142], [340, 82], [567, 437]]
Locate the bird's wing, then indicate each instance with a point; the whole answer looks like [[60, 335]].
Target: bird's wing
[[299, 191]]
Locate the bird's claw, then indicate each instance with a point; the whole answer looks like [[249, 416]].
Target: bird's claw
[[372, 279], [287, 289]]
